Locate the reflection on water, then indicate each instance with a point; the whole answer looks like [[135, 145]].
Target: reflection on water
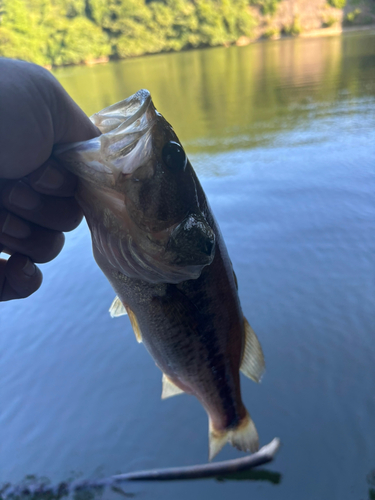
[[40, 488], [282, 135], [222, 100]]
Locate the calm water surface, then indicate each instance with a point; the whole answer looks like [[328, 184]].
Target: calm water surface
[[282, 135]]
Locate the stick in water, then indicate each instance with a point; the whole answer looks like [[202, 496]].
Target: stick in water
[[263, 456]]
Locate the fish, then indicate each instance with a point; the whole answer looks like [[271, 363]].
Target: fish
[[155, 238]]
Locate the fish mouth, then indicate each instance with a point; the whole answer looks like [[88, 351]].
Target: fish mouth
[[125, 142], [128, 114]]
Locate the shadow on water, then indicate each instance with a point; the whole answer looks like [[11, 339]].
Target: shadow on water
[[253, 475], [371, 482]]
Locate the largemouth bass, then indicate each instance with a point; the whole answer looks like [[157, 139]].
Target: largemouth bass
[[156, 240]]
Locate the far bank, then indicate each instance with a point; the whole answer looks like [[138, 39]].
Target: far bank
[[70, 32]]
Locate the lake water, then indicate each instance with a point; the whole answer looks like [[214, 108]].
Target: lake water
[[282, 135]]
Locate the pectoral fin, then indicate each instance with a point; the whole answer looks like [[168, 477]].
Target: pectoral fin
[[117, 308], [134, 323], [235, 280], [169, 388], [253, 360]]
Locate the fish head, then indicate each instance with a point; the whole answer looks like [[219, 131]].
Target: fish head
[[138, 192]]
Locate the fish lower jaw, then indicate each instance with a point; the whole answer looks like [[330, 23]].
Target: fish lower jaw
[[243, 436]]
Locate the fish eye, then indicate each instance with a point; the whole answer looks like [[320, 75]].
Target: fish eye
[[174, 156]]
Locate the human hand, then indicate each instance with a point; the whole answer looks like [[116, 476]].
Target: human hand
[[36, 194]]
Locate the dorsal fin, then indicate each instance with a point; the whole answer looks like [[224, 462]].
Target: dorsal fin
[[117, 308], [252, 360], [169, 388]]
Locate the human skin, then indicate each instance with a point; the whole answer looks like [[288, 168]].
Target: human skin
[[37, 203]]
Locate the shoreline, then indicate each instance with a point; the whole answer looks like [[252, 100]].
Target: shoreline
[[339, 30], [315, 33], [241, 42]]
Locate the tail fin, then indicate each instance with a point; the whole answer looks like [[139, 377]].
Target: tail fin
[[244, 437]]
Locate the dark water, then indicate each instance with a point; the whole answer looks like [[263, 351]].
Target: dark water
[[282, 135]]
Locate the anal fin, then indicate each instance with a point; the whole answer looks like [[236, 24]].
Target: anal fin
[[117, 308], [216, 441], [253, 359], [169, 388]]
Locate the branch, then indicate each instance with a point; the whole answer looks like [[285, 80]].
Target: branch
[[263, 456]]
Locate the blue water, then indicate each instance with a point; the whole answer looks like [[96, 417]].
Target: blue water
[[293, 191]]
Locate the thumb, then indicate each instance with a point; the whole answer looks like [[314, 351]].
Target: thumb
[[70, 123], [36, 113]]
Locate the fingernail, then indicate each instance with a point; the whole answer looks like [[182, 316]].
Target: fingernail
[[51, 178], [15, 227], [23, 196], [29, 269]]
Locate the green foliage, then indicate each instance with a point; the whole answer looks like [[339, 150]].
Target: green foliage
[[358, 17], [271, 32], [351, 17], [268, 7], [339, 4], [140, 28], [293, 29], [21, 32], [76, 41], [50, 33], [329, 21], [58, 32]]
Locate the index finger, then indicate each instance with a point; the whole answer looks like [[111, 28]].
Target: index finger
[[19, 277], [53, 179]]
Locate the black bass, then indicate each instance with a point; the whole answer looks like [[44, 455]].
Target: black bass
[[156, 240]]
